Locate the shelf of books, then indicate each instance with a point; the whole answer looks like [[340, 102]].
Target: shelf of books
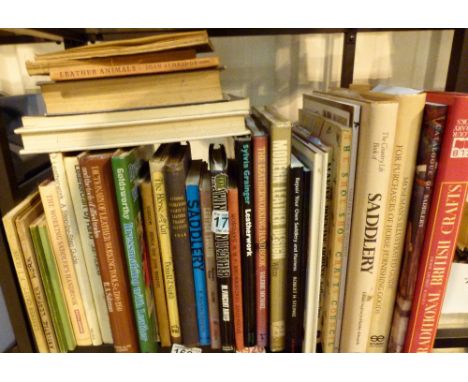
[[178, 218]]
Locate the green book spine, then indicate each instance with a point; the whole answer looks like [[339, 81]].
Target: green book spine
[[126, 168], [47, 260]]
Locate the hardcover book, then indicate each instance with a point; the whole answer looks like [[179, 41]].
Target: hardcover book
[[126, 169], [445, 213], [196, 241], [175, 172], [96, 170], [279, 130]]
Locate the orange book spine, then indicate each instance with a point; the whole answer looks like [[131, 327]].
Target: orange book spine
[[236, 269]]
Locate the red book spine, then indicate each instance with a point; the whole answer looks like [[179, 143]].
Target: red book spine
[[445, 215], [260, 177], [236, 266]]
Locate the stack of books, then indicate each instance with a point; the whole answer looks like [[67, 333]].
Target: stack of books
[[335, 233]]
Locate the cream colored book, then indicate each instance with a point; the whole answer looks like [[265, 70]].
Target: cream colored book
[[279, 130], [376, 140], [162, 222], [74, 244], [23, 222], [21, 271], [338, 137], [63, 255], [410, 112], [314, 156], [80, 207]]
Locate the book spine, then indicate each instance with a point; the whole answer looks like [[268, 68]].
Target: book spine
[[198, 262], [280, 148], [410, 112], [79, 72], [56, 326], [182, 254], [243, 150], [219, 183], [294, 327], [125, 172], [74, 244], [450, 189], [25, 285], [377, 134], [210, 266], [260, 174], [80, 206], [57, 290], [30, 259], [426, 168], [236, 266], [164, 235], [337, 227], [53, 214], [98, 183], [157, 277]]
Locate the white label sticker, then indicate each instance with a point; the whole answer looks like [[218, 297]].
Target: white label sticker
[[178, 348], [220, 222]]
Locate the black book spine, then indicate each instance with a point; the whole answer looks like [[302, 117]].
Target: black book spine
[[295, 252], [243, 152], [219, 187]]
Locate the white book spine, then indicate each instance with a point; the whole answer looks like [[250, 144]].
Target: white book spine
[[71, 229], [79, 201]]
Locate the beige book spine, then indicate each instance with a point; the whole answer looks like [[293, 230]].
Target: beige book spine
[[280, 148], [409, 120], [80, 207], [376, 139], [22, 226], [164, 235], [23, 278], [58, 236], [74, 244]]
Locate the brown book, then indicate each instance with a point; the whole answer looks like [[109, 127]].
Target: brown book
[[99, 186], [236, 266], [151, 234], [104, 63], [175, 172], [142, 91]]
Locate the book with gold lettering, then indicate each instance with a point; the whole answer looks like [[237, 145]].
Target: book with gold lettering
[[445, 215]]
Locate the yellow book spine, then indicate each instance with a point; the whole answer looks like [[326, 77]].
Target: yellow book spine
[[162, 220]]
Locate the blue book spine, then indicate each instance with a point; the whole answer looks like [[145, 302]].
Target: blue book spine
[[198, 262]]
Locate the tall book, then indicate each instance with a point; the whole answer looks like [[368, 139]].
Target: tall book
[[426, 168], [80, 206], [156, 268], [339, 138], [126, 169], [210, 259], [164, 235], [52, 285], [376, 137], [261, 232], [96, 170], [23, 222], [410, 110], [196, 242], [220, 227], [314, 154], [236, 258], [62, 253], [175, 172], [244, 163], [296, 266], [279, 130], [450, 190], [74, 243]]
